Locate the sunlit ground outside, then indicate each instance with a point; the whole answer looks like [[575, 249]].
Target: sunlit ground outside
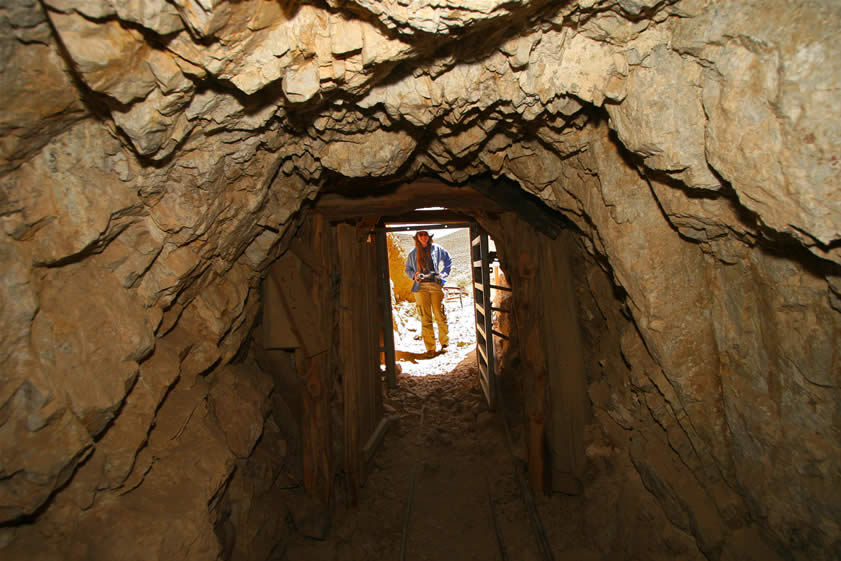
[[409, 346], [408, 343]]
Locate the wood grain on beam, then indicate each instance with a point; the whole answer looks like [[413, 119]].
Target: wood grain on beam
[[429, 217], [403, 199]]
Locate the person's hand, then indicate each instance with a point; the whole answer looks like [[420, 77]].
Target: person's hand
[[416, 276]]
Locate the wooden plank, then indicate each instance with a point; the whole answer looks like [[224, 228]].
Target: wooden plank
[[537, 475], [410, 223], [445, 217], [386, 323], [484, 352], [299, 304], [483, 382], [306, 254], [359, 328], [375, 439], [484, 345], [349, 351], [569, 404], [488, 327], [316, 441], [371, 367], [277, 330], [404, 198], [287, 381], [314, 371]]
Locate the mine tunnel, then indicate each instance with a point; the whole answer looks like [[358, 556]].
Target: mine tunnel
[[193, 316]]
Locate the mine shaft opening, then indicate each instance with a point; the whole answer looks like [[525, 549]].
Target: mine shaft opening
[[420, 350], [516, 410], [327, 318]]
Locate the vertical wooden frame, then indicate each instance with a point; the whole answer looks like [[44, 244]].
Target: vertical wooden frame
[[384, 294], [482, 313]]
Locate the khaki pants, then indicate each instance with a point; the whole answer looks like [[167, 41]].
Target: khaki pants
[[430, 300]]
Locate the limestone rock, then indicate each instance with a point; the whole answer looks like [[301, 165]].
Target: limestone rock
[[436, 17], [772, 101], [564, 64], [238, 399], [72, 345], [204, 18], [397, 255], [301, 83], [792, 390], [61, 211], [663, 120], [37, 462], [157, 15], [37, 100], [379, 153], [110, 58]]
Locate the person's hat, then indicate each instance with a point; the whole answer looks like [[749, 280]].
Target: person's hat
[[419, 232]]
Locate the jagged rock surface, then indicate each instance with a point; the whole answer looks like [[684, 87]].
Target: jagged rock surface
[[154, 154]]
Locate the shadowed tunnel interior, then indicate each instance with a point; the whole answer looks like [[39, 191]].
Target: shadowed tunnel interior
[[191, 196]]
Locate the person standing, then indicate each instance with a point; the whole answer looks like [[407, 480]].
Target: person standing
[[428, 265]]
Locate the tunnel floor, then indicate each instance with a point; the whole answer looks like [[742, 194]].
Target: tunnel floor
[[446, 460]]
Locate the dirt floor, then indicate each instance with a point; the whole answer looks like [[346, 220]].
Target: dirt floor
[[444, 485], [408, 342]]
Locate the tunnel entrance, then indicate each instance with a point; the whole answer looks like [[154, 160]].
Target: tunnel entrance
[[448, 479], [468, 281], [457, 301], [332, 333]]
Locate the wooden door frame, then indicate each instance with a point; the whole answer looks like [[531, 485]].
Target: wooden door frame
[[483, 313]]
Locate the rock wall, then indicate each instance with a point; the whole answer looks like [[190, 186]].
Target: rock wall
[[154, 157]]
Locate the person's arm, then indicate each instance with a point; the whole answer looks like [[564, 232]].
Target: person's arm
[[448, 264], [411, 265]]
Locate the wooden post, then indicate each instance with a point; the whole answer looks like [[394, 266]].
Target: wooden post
[[303, 289], [350, 349], [317, 451], [384, 292], [358, 347]]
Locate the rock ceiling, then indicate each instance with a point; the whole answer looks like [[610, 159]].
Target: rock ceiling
[[719, 100], [159, 150]]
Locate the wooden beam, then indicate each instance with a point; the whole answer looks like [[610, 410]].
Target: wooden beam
[[312, 309], [277, 332], [375, 439], [428, 217], [299, 304], [403, 199], [315, 425]]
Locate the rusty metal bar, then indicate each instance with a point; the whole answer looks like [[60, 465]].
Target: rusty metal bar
[[498, 334]]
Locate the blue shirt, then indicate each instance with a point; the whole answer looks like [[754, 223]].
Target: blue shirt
[[439, 256]]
